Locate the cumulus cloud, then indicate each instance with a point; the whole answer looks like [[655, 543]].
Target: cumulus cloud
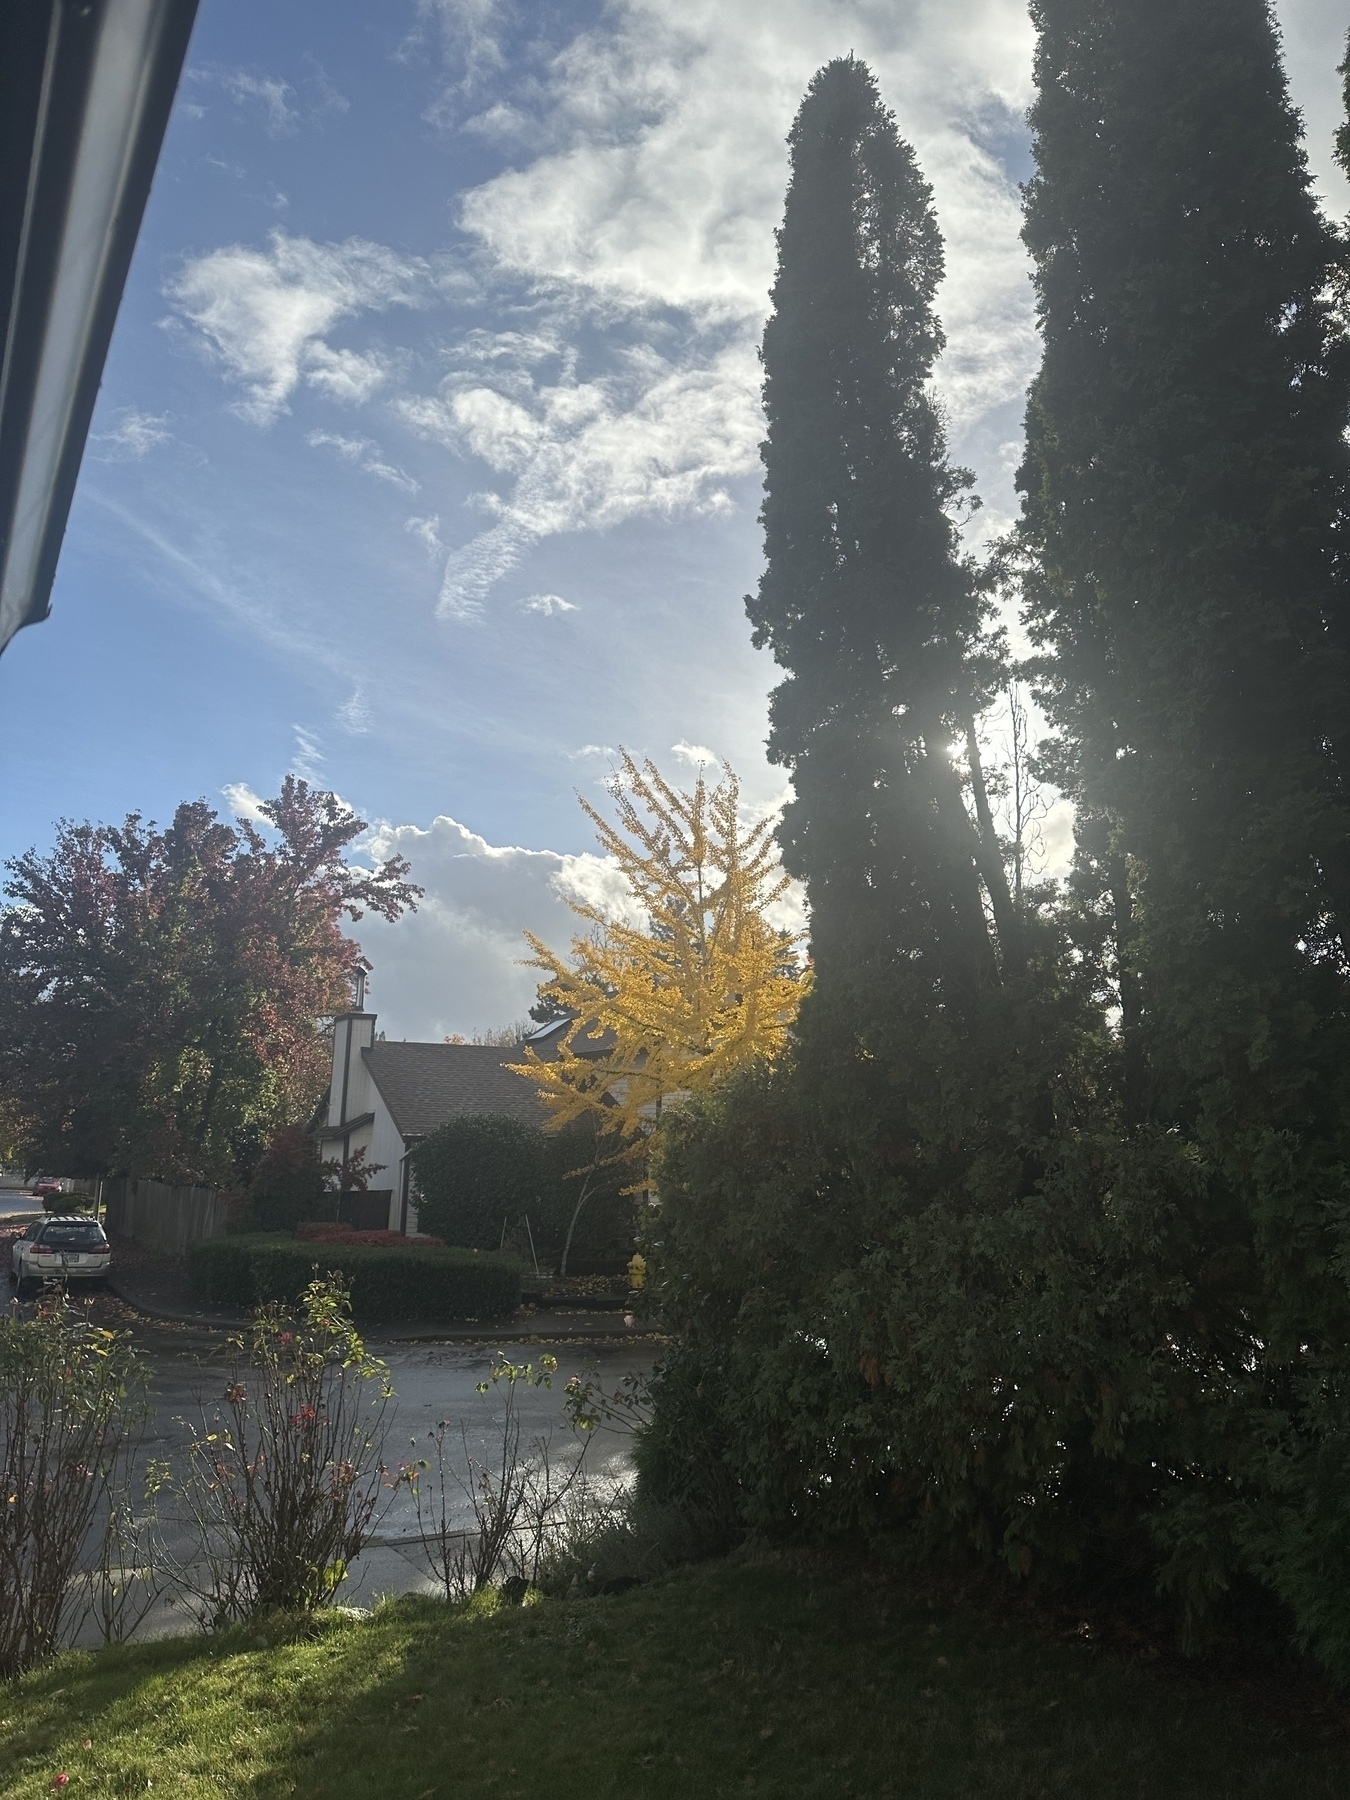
[[455, 964], [135, 434], [697, 754], [548, 604], [245, 803], [263, 314], [365, 455]]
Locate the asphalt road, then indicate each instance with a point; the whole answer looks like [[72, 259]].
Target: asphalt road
[[431, 1383]]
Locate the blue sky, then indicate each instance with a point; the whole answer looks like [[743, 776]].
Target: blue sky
[[425, 462]]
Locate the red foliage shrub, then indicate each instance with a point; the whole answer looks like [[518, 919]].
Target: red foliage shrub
[[323, 1231]]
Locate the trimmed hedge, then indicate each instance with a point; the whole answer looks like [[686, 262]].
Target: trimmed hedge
[[408, 1283]]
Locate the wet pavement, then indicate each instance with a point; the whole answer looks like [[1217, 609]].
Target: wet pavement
[[431, 1383]]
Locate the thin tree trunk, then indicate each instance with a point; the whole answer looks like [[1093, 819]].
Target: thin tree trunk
[[990, 862], [962, 851], [1127, 980], [576, 1214]]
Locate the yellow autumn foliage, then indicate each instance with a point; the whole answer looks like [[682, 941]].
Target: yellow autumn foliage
[[703, 984]]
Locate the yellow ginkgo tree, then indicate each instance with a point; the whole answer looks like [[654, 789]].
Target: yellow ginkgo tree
[[669, 1002]]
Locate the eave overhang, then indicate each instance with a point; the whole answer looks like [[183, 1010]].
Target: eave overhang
[[86, 88]]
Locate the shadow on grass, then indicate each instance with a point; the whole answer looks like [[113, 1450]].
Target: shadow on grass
[[724, 1680]]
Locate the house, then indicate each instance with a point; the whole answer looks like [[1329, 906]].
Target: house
[[384, 1098]]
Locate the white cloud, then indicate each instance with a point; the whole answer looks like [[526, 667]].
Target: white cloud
[[135, 434], [264, 314], [245, 803], [366, 455], [548, 604], [427, 532], [650, 218], [696, 754], [344, 374], [454, 965], [354, 715], [468, 32], [649, 437], [269, 92], [308, 759], [587, 750]]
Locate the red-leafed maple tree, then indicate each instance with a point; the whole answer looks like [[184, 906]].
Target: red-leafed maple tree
[[163, 992]]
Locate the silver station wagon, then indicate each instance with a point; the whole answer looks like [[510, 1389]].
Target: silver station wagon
[[61, 1247]]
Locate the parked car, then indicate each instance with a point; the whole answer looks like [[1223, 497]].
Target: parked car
[[61, 1247], [47, 1188]]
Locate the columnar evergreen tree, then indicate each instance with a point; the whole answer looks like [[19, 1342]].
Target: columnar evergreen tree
[[1107, 1333], [1184, 479], [1186, 490], [866, 601]]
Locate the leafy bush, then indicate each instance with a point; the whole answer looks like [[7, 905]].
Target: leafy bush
[[288, 1183], [70, 1397], [480, 1173], [476, 1174], [286, 1472], [412, 1283]]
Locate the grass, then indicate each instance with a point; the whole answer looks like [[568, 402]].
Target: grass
[[729, 1679]]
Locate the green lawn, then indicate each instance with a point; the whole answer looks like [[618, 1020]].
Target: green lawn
[[721, 1680]]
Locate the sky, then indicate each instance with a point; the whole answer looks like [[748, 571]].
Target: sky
[[426, 465]]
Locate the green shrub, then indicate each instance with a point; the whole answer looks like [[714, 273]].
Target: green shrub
[[480, 1173], [476, 1174], [288, 1183], [220, 1270], [385, 1284]]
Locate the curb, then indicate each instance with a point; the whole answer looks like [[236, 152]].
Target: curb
[[525, 1332]]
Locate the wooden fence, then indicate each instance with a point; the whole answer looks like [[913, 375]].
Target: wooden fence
[[164, 1218]]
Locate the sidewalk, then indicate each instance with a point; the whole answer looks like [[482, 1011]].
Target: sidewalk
[[156, 1288]]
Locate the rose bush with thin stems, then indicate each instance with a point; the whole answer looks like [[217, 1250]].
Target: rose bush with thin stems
[[72, 1397], [516, 1500], [285, 1473]]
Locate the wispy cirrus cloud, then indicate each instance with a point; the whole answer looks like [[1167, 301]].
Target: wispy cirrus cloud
[[263, 315], [280, 108], [427, 532], [365, 455], [307, 758], [651, 436], [134, 434]]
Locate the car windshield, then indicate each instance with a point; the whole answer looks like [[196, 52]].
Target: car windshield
[[74, 1237]]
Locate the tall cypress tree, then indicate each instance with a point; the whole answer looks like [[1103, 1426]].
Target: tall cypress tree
[[865, 600], [1186, 503], [1184, 480]]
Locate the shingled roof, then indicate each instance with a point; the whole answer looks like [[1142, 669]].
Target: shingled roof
[[426, 1085]]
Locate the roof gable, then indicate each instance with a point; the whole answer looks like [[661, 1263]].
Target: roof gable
[[426, 1085]]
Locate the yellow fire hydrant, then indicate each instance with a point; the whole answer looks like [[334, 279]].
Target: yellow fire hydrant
[[637, 1272]]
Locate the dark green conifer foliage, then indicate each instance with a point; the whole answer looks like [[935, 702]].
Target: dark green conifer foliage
[[866, 601], [1184, 479]]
